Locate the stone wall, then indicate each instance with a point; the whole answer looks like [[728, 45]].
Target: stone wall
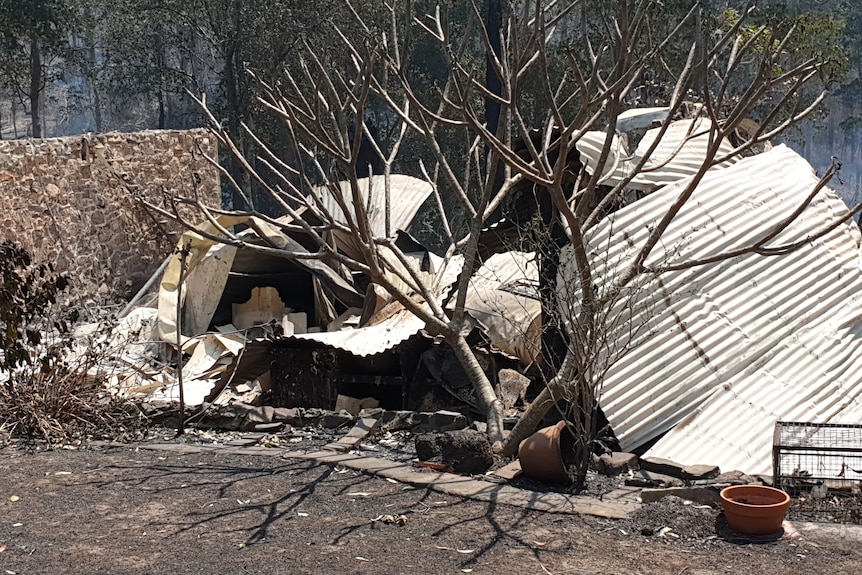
[[70, 201]]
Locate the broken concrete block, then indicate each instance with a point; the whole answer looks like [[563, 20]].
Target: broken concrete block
[[289, 415], [699, 472], [354, 405], [263, 306], [260, 414], [705, 495], [359, 432], [509, 472], [287, 327], [466, 450], [268, 427], [371, 412], [617, 463], [400, 420], [664, 466], [480, 426], [513, 387], [312, 416], [674, 469], [336, 420], [652, 479], [447, 420], [736, 477], [299, 321]]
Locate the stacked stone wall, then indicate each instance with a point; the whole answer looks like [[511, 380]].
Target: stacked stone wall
[[74, 202]]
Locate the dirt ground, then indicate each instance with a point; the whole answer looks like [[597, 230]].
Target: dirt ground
[[126, 509]]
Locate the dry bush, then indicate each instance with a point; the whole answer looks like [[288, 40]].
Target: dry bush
[[51, 384]]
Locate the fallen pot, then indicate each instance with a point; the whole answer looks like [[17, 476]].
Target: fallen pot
[[541, 457], [754, 509]]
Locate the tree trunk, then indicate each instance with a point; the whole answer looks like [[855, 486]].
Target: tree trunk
[[492, 405], [493, 24], [35, 87], [14, 121], [538, 408], [94, 83], [160, 97]]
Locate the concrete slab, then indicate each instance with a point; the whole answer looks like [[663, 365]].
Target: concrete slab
[[617, 504], [462, 486], [359, 432], [508, 472], [823, 532]]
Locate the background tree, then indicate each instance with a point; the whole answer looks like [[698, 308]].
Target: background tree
[[33, 33]]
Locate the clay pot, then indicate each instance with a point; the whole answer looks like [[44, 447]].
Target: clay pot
[[541, 458], [754, 509]]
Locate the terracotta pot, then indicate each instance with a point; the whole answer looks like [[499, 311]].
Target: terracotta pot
[[540, 455], [754, 509]]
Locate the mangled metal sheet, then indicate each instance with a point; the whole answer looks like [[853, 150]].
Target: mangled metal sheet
[[394, 326], [208, 264], [678, 154], [726, 349], [511, 320], [640, 118], [406, 196]]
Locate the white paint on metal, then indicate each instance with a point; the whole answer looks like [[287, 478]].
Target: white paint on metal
[[679, 154], [390, 332], [406, 197], [723, 350], [511, 321]]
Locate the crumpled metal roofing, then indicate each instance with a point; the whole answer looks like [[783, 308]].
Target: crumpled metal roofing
[[725, 350], [395, 329], [512, 321], [679, 154], [406, 197]]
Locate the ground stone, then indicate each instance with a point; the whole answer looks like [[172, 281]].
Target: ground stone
[[652, 479], [736, 477], [466, 450], [664, 466], [336, 420], [617, 463], [699, 472]]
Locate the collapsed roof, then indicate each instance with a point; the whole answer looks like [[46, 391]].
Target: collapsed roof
[[234, 287], [726, 349], [720, 351]]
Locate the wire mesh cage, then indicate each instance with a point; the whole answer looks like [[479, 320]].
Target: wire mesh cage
[[817, 456]]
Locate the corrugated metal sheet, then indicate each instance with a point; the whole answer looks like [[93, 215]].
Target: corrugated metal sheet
[[511, 321], [726, 349], [679, 154], [397, 328], [640, 118], [406, 197]]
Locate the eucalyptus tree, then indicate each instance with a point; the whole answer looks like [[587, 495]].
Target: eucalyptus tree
[[33, 36]]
